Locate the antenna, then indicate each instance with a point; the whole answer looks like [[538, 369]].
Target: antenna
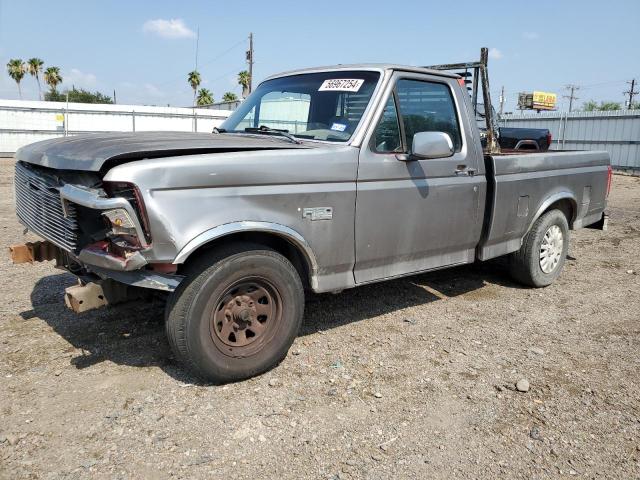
[[197, 45]]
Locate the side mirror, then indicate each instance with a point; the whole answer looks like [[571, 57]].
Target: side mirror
[[432, 145]]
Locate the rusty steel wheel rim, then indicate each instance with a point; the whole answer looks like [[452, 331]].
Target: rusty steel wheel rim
[[246, 316]]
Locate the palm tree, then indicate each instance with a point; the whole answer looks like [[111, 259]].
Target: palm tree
[[52, 77], [205, 97], [16, 70], [34, 65], [229, 97], [194, 80], [244, 79]]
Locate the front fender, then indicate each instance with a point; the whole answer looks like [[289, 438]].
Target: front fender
[[253, 226]]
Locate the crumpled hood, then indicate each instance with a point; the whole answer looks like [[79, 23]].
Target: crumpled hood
[[91, 152]]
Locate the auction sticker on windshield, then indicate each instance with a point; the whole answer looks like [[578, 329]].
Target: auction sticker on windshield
[[341, 85]]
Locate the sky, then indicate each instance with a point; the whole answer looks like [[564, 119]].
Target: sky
[[143, 50]]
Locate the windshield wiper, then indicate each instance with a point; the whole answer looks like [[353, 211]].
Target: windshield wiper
[[277, 131], [218, 130]]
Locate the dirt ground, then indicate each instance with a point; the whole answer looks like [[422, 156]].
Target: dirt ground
[[408, 379]]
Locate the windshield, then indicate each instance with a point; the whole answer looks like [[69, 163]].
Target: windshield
[[318, 106]]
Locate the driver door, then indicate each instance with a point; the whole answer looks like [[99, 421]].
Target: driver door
[[419, 214]]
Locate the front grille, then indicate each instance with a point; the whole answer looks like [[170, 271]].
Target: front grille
[[39, 207]]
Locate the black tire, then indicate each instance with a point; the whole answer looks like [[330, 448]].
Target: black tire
[[525, 264], [236, 313]]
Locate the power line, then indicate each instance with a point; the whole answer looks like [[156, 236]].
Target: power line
[[572, 96], [205, 63], [224, 52]]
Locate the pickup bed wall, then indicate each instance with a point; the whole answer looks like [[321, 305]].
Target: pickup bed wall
[[523, 186]]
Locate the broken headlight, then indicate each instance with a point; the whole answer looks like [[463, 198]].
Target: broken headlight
[[130, 192], [121, 222]]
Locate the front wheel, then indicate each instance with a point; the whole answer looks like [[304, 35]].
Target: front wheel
[[544, 250], [236, 313]]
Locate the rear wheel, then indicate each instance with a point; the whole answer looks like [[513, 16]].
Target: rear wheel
[[544, 250], [236, 313]]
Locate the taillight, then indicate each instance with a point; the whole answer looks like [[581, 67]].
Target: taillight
[[609, 179], [549, 139]]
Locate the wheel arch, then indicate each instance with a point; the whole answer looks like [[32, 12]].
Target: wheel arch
[[527, 145], [281, 238], [563, 201]]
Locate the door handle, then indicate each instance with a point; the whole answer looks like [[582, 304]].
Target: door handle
[[463, 170]]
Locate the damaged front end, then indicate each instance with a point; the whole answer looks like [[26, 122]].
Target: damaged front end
[[96, 230]]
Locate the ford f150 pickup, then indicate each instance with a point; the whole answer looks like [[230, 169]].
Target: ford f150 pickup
[[323, 179]]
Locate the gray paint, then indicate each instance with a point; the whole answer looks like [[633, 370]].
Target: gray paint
[[388, 217], [544, 178], [90, 152]]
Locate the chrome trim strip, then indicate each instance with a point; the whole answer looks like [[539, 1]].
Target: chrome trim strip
[[253, 226], [91, 199]]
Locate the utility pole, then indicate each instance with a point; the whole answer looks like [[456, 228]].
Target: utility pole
[[631, 92], [250, 61], [501, 100], [572, 96]]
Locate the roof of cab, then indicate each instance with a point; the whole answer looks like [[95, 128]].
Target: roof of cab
[[365, 66]]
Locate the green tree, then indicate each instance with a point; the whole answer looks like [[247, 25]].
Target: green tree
[[77, 96], [593, 106], [16, 70], [608, 106], [34, 66], [205, 97], [194, 80], [244, 79], [229, 97], [52, 78]]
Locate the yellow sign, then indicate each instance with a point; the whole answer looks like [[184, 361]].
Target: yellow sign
[[544, 101], [59, 117]]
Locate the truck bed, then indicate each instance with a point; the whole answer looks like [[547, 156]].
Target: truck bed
[[522, 186]]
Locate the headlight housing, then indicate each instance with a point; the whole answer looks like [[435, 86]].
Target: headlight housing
[[121, 222], [132, 194]]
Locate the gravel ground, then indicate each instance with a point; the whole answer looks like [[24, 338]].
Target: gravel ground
[[413, 378]]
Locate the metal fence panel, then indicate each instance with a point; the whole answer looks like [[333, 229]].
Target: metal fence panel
[[617, 132], [24, 122]]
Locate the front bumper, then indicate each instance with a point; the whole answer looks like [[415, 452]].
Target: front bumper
[[92, 270]]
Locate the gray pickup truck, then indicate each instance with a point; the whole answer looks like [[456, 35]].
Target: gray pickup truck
[[323, 179]]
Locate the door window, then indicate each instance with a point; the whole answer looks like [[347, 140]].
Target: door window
[[423, 107], [427, 107], [387, 134]]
